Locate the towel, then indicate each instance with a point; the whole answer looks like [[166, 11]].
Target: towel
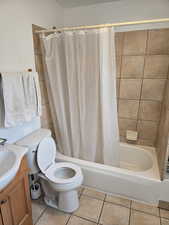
[[32, 95], [21, 97]]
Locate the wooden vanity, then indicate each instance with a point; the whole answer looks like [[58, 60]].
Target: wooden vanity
[[15, 203]]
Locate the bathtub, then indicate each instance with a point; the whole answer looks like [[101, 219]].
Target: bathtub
[[136, 178]]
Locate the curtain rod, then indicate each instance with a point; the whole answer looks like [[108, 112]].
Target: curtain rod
[[103, 25]]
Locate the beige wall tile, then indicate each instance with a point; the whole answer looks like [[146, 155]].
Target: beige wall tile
[[153, 89], [150, 110], [128, 108], [156, 66], [43, 93], [90, 208], [158, 41], [164, 221], [164, 213], [166, 95], [36, 39], [147, 130], [135, 43], [114, 214], [126, 124], [117, 87], [130, 88], [132, 66], [145, 142], [46, 124], [37, 44], [123, 139], [139, 218], [39, 66], [119, 36], [145, 208], [118, 66], [46, 111], [118, 200]]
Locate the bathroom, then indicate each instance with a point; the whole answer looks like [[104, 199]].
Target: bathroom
[[109, 195]]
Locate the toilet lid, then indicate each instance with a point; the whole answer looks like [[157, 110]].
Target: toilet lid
[[46, 153]]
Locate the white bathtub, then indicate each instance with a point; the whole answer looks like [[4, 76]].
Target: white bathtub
[[136, 178]]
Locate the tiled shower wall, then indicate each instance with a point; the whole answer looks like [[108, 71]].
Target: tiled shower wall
[[142, 69], [46, 114], [142, 87]]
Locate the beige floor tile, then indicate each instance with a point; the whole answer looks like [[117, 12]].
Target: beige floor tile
[[38, 208], [53, 217], [118, 200], [140, 218], [93, 193], [114, 215], [74, 220], [164, 221], [164, 213], [80, 190], [145, 208], [90, 208]]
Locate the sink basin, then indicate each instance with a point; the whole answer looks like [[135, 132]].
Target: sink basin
[[10, 159]]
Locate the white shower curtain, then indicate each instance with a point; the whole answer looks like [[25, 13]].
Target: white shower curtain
[[81, 74]]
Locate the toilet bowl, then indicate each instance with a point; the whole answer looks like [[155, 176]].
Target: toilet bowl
[[59, 180]]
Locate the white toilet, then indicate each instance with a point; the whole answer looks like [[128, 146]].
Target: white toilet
[[59, 180]]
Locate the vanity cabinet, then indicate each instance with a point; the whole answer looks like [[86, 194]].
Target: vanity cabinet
[[15, 203]]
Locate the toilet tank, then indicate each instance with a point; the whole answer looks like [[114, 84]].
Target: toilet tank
[[32, 141]]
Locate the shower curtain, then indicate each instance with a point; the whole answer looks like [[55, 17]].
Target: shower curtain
[[81, 74]]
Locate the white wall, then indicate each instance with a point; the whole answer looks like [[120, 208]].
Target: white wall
[[16, 44], [16, 19], [118, 11]]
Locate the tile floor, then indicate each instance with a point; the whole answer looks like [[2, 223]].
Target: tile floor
[[97, 208]]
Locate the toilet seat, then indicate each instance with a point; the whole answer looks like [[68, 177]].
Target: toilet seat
[[57, 172], [53, 173]]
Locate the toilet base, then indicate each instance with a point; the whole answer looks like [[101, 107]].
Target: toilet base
[[50, 202], [68, 201]]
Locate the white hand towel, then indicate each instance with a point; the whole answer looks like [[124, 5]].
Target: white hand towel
[[32, 95], [14, 99], [21, 95]]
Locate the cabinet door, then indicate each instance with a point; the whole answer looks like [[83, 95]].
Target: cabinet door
[[20, 203], [5, 212]]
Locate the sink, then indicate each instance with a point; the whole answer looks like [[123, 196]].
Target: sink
[[10, 160]]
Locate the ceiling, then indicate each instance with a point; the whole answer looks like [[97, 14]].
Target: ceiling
[[75, 3]]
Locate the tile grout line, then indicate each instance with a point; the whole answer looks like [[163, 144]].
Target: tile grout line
[[121, 61], [138, 99], [141, 89], [154, 121], [137, 77], [129, 217], [113, 203], [102, 209], [68, 219], [160, 216], [41, 214], [145, 212], [87, 219]]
